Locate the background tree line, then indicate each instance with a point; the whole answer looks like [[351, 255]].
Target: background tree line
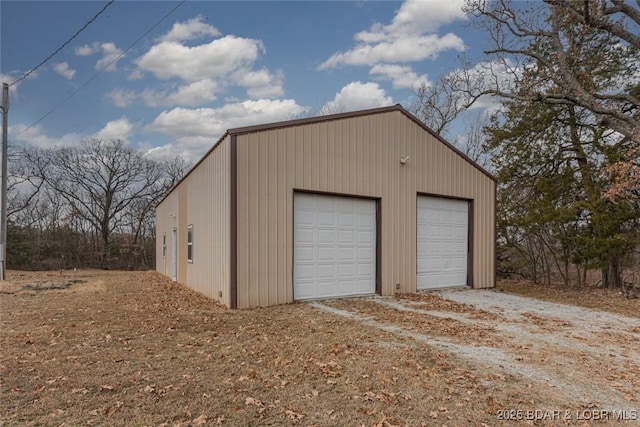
[[562, 136], [91, 205]]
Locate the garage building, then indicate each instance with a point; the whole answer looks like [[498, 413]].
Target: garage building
[[358, 203]]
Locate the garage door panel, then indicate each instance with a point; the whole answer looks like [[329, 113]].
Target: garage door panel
[[342, 231], [306, 218], [364, 238], [442, 242], [326, 253], [345, 236], [345, 253], [364, 270], [346, 271], [325, 219], [306, 253], [345, 219], [326, 271], [325, 235], [366, 254], [366, 221], [304, 235], [306, 271]]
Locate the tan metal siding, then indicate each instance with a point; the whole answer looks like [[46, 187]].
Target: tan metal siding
[[166, 220], [352, 156], [208, 210], [202, 199], [182, 233]]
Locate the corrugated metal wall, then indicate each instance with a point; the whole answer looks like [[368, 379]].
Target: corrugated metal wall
[[165, 223], [202, 200], [352, 156]]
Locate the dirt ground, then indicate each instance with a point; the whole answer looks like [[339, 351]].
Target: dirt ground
[[133, 348]]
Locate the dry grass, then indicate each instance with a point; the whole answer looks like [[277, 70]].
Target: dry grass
[[131, 348]]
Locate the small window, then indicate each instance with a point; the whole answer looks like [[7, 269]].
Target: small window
[[164, 244], [190, 243]]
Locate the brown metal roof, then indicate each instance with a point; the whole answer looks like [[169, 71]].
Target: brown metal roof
[[315, 119]]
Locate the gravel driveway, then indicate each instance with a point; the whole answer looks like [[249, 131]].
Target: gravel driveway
[[590, 359]]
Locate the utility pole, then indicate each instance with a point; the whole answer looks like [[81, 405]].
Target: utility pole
[[3, 203]]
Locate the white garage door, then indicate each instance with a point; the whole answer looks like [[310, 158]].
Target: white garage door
[[334, 246], [443, 232]]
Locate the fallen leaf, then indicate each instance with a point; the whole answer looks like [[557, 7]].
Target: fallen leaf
[[252, 401], [295, 416], [202, 419]]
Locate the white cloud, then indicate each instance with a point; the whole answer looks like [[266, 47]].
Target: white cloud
[[116, 129], [121, 97], [190, 95], [410, 36], [192, 29], [401, 76], [63, 69], [196, 130], [216, 59], [415, 17], [208, 69], [405, 49], [358, 96], [86, 49], [110, 53], [261, 83], [166, 152], [136, 74], [36, 136], [194, 94]]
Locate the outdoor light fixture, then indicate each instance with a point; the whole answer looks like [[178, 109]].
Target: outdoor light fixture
[[404, 159]]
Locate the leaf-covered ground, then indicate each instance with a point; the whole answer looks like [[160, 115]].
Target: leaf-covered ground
[[588, 297], [131, 348]]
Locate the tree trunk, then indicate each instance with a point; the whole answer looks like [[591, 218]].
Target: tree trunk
[[105, 250], [611, 274]]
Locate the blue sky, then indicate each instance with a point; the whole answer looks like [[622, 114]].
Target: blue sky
[[215, 65]]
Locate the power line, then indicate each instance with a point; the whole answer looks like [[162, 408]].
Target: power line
[[103, 68], [64, 44]]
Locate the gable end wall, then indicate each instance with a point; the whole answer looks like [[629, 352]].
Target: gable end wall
[[201, 199], [357, 156]]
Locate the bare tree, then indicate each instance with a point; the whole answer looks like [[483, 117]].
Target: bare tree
[[331, 108], [101, 180], [611, 16], [440, 103], [140, 215], [473, 140], [25, 180], [533, 46], [173, 171]]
